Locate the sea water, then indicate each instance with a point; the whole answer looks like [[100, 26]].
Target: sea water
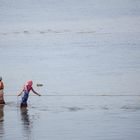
[[86, 56], [71, 117]]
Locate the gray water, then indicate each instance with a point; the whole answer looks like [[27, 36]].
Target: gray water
[[87, 56], [72, 118]]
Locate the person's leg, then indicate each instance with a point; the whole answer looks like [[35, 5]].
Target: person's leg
[[24, 100], [1, 98]]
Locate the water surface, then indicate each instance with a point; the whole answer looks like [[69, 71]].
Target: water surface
[[86, 53], [71, 117]]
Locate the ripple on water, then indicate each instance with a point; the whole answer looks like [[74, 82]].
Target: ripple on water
[[130, 107]]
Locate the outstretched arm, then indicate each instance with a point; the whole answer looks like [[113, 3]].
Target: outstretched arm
[[20, 93], [35, 92]]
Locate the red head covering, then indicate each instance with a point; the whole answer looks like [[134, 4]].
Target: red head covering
[[28, 86], [30, 83]]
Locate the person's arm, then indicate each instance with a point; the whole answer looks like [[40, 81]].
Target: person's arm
[[35, 92], [20, 93]]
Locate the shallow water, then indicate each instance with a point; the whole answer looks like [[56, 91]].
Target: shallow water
[[86, 54], [71, 117]]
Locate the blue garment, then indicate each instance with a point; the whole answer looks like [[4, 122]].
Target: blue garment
[[25, 97]]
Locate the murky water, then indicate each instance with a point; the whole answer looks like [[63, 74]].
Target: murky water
[[86, 53]]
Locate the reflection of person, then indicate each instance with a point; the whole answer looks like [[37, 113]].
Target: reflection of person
[[1, 91], [2, 132], [25, 91], [25, 118], [1, 113]]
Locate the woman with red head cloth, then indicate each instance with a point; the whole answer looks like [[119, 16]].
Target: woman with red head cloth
[[26, 90]]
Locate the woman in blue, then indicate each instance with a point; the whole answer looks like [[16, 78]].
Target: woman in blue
[[26, 90]]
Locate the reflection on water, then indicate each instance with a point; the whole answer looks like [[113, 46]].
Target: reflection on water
[[1, 113], [26, 123], [71, 117], [1, 121]]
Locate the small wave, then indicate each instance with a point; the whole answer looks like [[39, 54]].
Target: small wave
[[46, 31], [105, 108], [73, 109], [86, 32], [127, 107]]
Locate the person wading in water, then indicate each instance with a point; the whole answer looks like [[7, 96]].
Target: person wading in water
[[25, 91], [1, 91]]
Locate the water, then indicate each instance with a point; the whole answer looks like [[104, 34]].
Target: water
[[86, 55], [72, 117]]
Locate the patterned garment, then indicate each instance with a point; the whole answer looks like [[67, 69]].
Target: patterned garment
[[25, 97]]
